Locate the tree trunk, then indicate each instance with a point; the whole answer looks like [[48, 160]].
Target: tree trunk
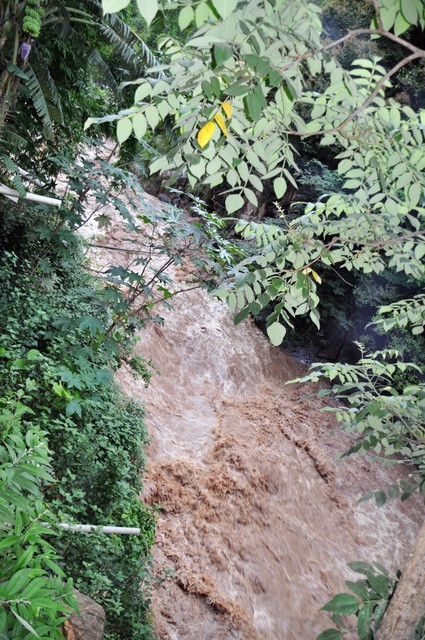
[[407, 606]]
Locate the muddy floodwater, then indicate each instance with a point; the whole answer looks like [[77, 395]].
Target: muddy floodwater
[[257, 517]]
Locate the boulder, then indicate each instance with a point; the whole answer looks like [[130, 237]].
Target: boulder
[[88, 624]]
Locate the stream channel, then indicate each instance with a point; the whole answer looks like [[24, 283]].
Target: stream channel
[[257, 517]]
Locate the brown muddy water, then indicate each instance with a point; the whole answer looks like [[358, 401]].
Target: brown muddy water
[[257, 517]]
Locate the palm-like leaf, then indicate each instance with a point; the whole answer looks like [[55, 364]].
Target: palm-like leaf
[[36, 90]]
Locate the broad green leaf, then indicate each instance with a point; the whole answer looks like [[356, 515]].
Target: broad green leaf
[[331, 634], [343, 604], [34, 354], [152, 116], [234, 202], [88, 123], [148, 9], [225, 7], [239, 317], [186, 16], [113, 6], [400, 25], [221, 53], [215, 86], [255, 103], [380, 498], [379, 584], [415, 192], [139, 125], [238, 89], [409, 11], [207, 89], [124, 129], [142, 92], [276, 333], [279, 186], [364, 620]]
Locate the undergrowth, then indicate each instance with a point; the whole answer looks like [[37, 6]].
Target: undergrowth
[[58, 367]]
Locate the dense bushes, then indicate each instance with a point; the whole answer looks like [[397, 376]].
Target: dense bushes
[[60, 368]]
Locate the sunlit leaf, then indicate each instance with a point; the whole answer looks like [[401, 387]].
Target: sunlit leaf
[[148, 9], [276, 333], [227, 108], [205, 134], [234, 202], [221, 123], [112, 6], [124, 129]]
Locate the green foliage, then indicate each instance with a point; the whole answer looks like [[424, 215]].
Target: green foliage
[[96, 435], [385, 420], [34, 601], [368, 604], [401, 314]]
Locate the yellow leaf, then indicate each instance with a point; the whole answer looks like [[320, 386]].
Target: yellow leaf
[[220, 121], [227, 108], [205, 134], [316, 276], [306, 271]]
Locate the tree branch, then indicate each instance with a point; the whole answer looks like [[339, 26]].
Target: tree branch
[[306, 134]]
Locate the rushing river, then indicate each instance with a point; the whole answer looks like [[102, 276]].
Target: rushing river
[[257, 517]]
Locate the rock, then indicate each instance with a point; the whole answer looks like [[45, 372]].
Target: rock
[[88, 624]]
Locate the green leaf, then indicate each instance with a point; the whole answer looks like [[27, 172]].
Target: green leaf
[[15, 70], [378, 614], [215, 86], [221, 53], [343, 604], [234, 202], [139, 125], [360, 567], [279, 186], [239, 317], [148, 9], [409, 11], [415, 192], [237, 89], [225, 7], [275, 79], [400, 25], [9, 541], [358, 589], [276, 333], [142, 92], [186, 16], [113, 6], [379, 584], [380, 498], [24, 623], [364, 620], [34, 354], [124, 129], [73, 407], [331, 634], [255, 103]]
